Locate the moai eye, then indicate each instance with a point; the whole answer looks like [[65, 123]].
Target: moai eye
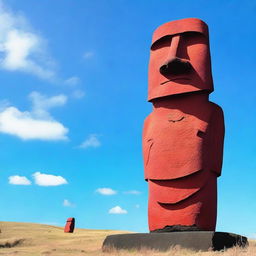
[[191, 38], [162, 42]]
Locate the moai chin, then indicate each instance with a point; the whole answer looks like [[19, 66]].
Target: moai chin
[[183, 136]]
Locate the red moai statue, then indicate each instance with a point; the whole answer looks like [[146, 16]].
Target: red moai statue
[[70, 225], [183, 136]]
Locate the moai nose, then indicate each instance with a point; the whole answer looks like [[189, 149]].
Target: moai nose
[[175, 66]]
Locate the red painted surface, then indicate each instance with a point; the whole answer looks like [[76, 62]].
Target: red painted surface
[[70, 225], [183, 136]]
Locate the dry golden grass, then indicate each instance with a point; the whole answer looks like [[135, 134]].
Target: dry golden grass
[[25, 239]]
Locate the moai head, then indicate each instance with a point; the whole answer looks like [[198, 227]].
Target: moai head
[[180, 59]]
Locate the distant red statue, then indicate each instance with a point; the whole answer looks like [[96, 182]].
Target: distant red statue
[[70, 225], [183, 136]]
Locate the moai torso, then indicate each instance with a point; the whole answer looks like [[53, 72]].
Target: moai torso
[[183, 136]]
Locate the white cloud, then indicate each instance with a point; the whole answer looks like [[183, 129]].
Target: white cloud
[[74, 80], [24, 126], [19, 180], [106, 191], [67, 203], [91, 141], [22, 49], [88, 54], [117, 210], [42, 179], [41, 104], [78, 94], [132, 192], [35, 124]]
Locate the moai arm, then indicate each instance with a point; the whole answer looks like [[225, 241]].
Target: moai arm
[[216, 140], [147, 143]]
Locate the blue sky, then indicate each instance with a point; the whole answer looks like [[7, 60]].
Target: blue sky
[[73, 101]]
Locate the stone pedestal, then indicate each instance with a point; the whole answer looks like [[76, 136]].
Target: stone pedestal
[[194, 240]]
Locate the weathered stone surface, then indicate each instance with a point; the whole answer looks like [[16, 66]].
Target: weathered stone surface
[[194, 240], [183, 135], [176, 228]]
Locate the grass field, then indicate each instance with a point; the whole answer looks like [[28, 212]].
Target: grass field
[[26, 239]]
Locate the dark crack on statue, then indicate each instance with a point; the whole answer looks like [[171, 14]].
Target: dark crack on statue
[[178, 120], [177, 228]]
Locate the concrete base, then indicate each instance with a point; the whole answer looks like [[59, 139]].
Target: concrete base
[[195, 240]]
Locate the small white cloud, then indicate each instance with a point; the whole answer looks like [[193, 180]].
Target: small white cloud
[[78, 94], [26, 127], [106, 191], [88, 55], [91, 142], [42, 179], [41, 104], [19, 180], [74, 80], [132, 192], [117, 210], [67, 203], [37, 123], [21, 48]]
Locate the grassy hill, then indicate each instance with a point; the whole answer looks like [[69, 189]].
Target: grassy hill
[[27, 239]]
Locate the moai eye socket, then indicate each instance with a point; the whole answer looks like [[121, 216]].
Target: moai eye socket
[[190, 38], [162, 42]]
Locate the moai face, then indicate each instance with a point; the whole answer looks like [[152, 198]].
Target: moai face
[[180, 59]]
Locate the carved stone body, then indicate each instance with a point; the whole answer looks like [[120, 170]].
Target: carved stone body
[[70, 225], [183, 136]]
